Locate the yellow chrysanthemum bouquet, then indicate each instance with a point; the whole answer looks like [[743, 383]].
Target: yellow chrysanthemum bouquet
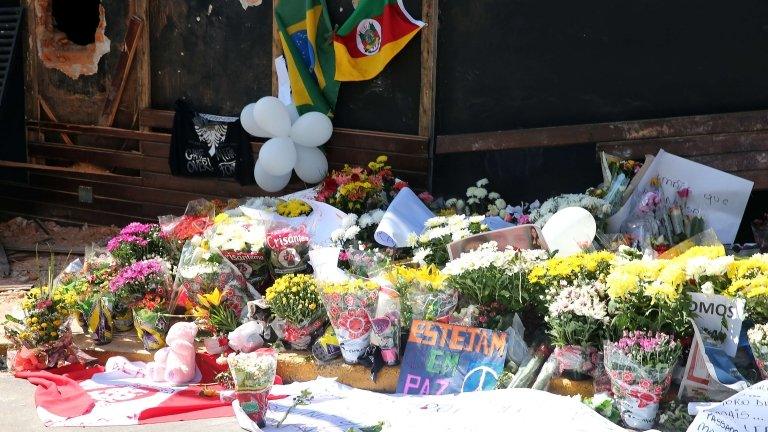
[[295, 299], [424, 295]]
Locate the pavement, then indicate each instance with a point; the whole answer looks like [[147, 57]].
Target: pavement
[[17, 411]]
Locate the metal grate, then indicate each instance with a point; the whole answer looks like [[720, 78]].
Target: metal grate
[[10, 23]]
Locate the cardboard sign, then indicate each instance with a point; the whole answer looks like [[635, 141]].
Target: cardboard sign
[[443, 359], [518, 237], [720, 198], [719, 318]]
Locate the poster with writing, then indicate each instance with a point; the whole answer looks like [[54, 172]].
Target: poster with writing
[[719, 318], [444, 359], [720, 198], [744, 411]]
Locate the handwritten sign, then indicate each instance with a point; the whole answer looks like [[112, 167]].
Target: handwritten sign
[[744, 411], [443, 359], [719, 318], [720, 198]]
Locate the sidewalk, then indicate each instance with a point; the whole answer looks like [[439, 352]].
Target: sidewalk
[[17, 411]]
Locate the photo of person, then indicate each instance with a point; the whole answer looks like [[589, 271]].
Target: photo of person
[[518, 237]]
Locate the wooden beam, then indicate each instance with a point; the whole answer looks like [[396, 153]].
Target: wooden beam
[[102, 131], [117, 85], [98, 156], [143, 68], [429, 14], [748, 121], [45, 248], [52, 117]]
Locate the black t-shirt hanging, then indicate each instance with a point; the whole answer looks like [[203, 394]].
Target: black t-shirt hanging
[[205, 145]]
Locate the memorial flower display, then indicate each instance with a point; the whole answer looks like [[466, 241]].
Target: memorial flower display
[[296, 300], [138, 241], [423, 293], [356, 189], [758, 341]]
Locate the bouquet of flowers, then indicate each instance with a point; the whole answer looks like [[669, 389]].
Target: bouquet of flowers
[[217, 318], [203, 268], [424, 295], [42, 331], [350, 305], [496, 281], [295, 299], [386, 325], [292, 208], [288, 248], [138, 241], [577, 320], [479, 201], [356, 231], [242, 241], [599, 208], [253, 374], [151, 319], [617, 175], [758, 341], [649, 295], [661, 222], [640, 366], [431, 247], [360, 189]]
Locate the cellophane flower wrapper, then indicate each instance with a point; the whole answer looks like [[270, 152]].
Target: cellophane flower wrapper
[[288, 249], [241, 240], [202, 269], [431, 305], [350, 314], [253, 374], [300, 336], [386, 325], [637, 389], [758, 342], [100, 320], [582, 360]]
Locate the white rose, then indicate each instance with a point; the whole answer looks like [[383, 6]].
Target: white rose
[[708, 288]]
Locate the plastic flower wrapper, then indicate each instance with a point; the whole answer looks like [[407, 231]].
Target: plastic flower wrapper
[[138, 241], [364, 262], [242, 241], [254, 374], [202, 269], [386, 323], [295, 299], [758, 341], [288, 247], [350, 304], [424, 294], [640, 367]]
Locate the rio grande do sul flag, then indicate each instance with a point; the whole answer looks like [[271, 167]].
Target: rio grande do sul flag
[[371, 37], [306, 35]]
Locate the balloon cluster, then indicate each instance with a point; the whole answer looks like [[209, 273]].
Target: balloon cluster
[[292, 146]]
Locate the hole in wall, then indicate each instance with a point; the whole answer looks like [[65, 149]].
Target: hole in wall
[[78, 19]]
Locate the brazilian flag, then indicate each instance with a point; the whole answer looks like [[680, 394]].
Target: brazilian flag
[[307, 38]]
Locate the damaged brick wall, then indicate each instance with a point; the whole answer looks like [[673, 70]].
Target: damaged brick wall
[[58, 52]]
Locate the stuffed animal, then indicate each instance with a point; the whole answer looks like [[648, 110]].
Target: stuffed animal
[[247, 338], [176, 362]]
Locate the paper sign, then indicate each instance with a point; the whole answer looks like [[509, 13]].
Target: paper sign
[[719, 318], [444, 359], [405, 215], [744, 411], [518, 237], [283, 82], [709, 373], [720, 198]]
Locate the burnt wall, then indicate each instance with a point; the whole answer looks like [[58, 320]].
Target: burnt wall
[[514, 64]]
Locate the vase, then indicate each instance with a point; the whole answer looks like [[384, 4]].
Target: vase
[[215, 344], [151, 328], [100, 323], [122, 318]]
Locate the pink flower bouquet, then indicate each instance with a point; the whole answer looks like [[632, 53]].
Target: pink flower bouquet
[[350, 305]]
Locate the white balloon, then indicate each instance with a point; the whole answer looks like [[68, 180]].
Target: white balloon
[[313, 129], [269, 182], [272, 117], [569, 231], [249, 122], [311, 164], [278, 156], [293, 113]]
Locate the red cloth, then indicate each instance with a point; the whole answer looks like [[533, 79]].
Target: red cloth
[[58, 394]]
